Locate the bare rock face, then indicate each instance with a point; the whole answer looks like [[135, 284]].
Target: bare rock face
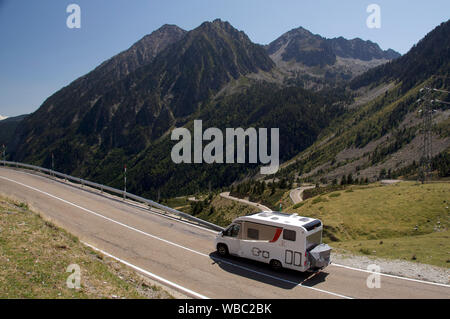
[[315, 60], [141, 53]]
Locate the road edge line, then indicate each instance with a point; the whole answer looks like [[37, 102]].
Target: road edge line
[[393, 276], [147, 273]]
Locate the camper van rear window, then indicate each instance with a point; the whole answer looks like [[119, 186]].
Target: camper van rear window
[[313, 240], [289, 234]]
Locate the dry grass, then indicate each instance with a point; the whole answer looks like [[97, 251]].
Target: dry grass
[[430, 249], [411, 219], [225, 210], [34, 256]]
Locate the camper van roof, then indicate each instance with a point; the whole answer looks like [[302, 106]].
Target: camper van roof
[[281, 218]]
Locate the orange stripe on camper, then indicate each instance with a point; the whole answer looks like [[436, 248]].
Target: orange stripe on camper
[[277, 235]]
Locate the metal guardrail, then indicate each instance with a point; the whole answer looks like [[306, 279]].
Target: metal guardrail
[[115, 191]]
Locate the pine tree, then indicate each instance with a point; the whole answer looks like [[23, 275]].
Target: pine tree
[[350, 179]]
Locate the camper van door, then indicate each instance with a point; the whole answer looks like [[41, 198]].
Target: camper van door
[[231, 235]]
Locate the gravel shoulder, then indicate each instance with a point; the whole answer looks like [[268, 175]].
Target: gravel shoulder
[[395, 267]]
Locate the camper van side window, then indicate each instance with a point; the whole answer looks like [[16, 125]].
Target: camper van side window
[[289, 234], [235, 230], [252, 233], [232, 231]]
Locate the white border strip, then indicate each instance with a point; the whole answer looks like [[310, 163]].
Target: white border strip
[[129, 201]]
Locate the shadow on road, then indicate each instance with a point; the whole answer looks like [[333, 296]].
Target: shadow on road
[[285, 278]]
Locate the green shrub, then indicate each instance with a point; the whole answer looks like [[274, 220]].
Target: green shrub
[[319, 199], [298, 205], [335, 195]]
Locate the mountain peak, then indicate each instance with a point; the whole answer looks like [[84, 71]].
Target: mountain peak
[[139, 54], [217, 53], [303, 46], [217, 25], [220, 22], [300, 31], [360, 49], [168, 26], [151, 44]]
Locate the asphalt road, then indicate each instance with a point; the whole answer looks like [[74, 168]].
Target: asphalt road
[[183, 256], [244, 201], [297, 194]]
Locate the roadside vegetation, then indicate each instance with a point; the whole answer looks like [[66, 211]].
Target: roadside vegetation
[[213, 208], [407, 220], [35, 254], [270, 194]]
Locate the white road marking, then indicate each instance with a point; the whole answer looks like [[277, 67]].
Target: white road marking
[[393, 276], [104, 217], [129, 202], [177, 220], [280, 279], [168, 242], [156, 277]]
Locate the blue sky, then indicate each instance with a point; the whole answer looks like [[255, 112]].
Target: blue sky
[[39, 54]]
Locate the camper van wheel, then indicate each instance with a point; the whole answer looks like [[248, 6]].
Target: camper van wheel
[[222, 249], [275, 264]]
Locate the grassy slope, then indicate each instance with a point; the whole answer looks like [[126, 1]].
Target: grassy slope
[[370, 121], [269, 198], [361, 217], [34, 256], [223, 210], [430, 249]]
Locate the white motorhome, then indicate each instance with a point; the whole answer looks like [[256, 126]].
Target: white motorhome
[[279, 239]]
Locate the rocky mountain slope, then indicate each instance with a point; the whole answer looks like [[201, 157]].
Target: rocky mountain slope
[[316, 61], [114, 107], [123, 111], [61, 114], [382, 134]]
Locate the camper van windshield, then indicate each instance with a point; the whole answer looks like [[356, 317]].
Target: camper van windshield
[[313, 240]]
